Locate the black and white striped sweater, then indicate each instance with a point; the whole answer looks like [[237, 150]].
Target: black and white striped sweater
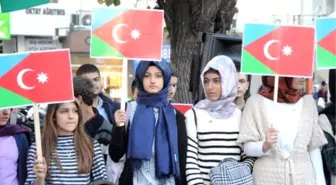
[[209, 142], [67, 156]]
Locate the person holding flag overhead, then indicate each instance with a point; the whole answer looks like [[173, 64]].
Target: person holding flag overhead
[[154, 137], [285, 136], [69, 155]]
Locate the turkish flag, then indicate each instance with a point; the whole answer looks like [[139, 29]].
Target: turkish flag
[[136, 34], [287, 50], [183, 108], [41, 77]]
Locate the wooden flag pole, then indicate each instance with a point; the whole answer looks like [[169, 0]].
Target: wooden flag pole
[[275, 94], [309, 86], [124, 85], [37, 132], [276, 88]]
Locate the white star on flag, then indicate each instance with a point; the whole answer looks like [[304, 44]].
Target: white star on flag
[[287, 50], [135, 34], [42, 78]]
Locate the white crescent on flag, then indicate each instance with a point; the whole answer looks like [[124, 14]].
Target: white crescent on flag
[[19, 79], [115, 33], [266, 50]]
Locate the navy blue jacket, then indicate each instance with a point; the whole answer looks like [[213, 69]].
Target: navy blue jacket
[[110, 107], [22, 143]]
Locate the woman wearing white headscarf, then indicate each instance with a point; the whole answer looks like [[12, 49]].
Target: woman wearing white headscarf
[[213, 123]]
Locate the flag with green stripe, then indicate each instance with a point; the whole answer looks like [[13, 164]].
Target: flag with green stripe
[[278, 50], [13, 5], [326, 43]]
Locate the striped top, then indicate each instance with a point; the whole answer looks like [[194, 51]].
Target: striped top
[[67, 157], [211, 141]]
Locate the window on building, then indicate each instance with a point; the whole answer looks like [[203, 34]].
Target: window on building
[[330, 7]]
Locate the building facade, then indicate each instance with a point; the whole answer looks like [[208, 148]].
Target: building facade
[[65, 24]]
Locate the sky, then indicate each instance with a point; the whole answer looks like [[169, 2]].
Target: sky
[[89, 4], [256, 11], [263, 11]]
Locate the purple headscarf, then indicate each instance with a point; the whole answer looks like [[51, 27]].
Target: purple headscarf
[[11, 130], [225, 106]]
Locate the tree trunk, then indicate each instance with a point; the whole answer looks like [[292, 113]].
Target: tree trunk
[[185, 19], [183, 46]]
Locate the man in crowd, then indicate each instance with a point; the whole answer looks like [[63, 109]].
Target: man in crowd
[[323, 93], [173, 83], [87, 90], [96, 126], [105, 106]]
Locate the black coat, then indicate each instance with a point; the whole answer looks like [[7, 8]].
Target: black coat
[[118, 148], [328, 150]]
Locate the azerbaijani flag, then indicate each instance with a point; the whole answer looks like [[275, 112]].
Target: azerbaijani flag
[[126, 33], [34, 78], [278, 50], [326, 43]]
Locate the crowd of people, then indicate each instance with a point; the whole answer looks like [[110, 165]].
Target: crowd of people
[[230, 137]]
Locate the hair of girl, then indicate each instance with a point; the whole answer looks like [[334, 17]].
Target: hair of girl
[[211, 70], [83, 143], [248, 93]]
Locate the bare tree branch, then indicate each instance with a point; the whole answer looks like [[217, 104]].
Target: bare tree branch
[[160, 3], [196, 6], [205, 13], [224, 16], [166, 5], [185, 19], [136, 3], [169, 4]]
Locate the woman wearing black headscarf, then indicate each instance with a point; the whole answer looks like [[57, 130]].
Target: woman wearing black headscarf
[[328, 123]]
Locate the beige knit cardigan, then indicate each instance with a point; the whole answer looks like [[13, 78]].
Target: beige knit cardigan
[[271, 169]]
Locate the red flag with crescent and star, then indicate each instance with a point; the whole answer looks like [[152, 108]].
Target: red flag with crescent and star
[[36, 77], [278, 50], [183, 108], [127, 33]]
